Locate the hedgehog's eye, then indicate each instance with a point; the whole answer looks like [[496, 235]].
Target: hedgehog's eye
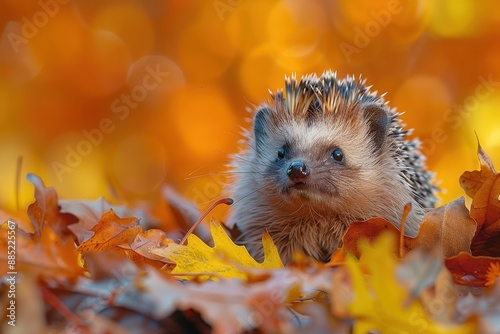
[[281, 153], [337, 155]]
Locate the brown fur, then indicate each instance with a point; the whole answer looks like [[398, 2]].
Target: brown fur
[[376, 179]]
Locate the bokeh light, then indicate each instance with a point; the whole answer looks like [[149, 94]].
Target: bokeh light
[[156, 92]]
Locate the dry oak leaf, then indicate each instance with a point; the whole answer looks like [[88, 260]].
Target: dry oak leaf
[[145, 241], [424, 274], [484, 188], [139, 251], [419, 270], [45, 209], [229, 306], [445, 294], [485, 307], [111, 231], [30, 314], [485, 209], [50, 257], [88, 213], [471, 182], [225, 259], [380, 303], [449, 227]]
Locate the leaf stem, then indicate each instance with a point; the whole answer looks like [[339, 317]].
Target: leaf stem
[[227, 201], [19, 168], [402, 232]]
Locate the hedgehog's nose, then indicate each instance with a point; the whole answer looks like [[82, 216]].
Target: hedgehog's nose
[[297, 171]]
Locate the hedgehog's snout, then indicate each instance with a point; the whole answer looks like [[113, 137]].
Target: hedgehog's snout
[[297, 171]]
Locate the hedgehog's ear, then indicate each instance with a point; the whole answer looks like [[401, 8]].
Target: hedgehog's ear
[[260, 126], [378, 120]]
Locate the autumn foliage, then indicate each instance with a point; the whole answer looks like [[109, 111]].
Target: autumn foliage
[[91, 267]]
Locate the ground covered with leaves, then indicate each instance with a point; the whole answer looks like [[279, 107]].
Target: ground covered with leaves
[[76, 266]]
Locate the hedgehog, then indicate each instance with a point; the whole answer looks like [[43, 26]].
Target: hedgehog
[[325, 153]]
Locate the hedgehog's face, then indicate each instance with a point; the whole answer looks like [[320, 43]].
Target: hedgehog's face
[[321, 164]]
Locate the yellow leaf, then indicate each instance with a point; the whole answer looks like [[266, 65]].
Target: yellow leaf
[[225, 259], [380, 303]]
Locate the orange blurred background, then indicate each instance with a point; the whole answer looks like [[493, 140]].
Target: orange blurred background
[[131, 93]]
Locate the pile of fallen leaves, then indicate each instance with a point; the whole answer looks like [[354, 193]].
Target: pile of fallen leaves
[[91, 267]]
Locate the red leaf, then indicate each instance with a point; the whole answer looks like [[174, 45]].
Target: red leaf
[[469, 270]]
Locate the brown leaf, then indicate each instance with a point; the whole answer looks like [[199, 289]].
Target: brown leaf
[[88, 214], [109, 263], [487, 241], [30, 318], [45, 210], [139, 251], [445, 294], [147, 240], [262, 305], [114, 298], [471, 182], [449, 227], [418, 270], [50, 257], [140, 260], [110, 232], [320, 321], [469, 270], [485, 307], [485, 209]]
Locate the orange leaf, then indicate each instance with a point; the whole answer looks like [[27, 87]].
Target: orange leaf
[[369, 229], [111, 231], [471, 182], [485, 207], [484, 188], [338, 257], [51, 257], [88, 213]]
